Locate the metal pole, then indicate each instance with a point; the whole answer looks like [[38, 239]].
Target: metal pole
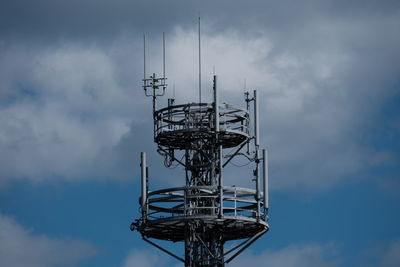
[[221, 191], [265, 180], [256, 120], [163, 37], [216, 105], [257, 144], [235, 201], [144, 183], [170, 103], [220, 155], [258, 183], [199, 63], [246, 94], [144, 57]]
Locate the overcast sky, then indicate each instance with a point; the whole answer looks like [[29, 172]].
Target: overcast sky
[[74, 119]]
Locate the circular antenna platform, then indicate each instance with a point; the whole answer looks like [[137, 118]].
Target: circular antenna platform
[[168, 213], [181, 126]]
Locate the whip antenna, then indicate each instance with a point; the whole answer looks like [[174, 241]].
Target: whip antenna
[[199, 63], [163, 42]]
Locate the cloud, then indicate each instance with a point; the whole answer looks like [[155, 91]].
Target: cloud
[[297, 255], [391, 256], [294, 255], [309, 255], [21, 247], [47, 20], [313, 113], [74, 110], [380, 253], [64, 110], [145, 258]]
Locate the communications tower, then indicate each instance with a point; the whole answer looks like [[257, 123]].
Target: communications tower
[[204, 213]]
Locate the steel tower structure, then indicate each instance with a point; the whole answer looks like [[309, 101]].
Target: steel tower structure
[[204, 214]]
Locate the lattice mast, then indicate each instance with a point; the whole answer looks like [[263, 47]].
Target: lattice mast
[[204, 214]]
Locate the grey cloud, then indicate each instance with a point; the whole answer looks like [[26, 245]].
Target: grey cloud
[[101, 20], [61, 109], [20, 247], [74, 108], [318, 99]]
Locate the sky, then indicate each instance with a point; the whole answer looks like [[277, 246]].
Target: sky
[[74, 120]]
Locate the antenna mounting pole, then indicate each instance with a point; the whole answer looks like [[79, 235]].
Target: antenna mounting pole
[[199, 62], [144, 56], [163, 42]]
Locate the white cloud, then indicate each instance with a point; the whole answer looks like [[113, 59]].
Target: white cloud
[[65, 112], [309, 255], [391, 256], [147, 258], [313, 113], [21, 247], [380, 253], [296, 255]]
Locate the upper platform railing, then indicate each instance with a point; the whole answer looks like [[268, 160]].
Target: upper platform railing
[[179, 125]]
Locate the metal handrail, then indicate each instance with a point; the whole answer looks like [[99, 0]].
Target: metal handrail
[[175, 201], [180, 117]]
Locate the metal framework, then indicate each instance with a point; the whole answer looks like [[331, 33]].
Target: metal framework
[[204, 214]]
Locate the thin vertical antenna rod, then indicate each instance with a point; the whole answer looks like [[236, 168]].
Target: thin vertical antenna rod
[[265, 180], [221, 182], [163, 39], [257, 144], [216, 106], [144, 56], [199, 63], [256, 121], [144, 183]]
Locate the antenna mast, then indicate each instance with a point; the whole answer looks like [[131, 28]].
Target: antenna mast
[[144, 57], [163, 42], [154, 84], [199, 63], [204, 214]]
